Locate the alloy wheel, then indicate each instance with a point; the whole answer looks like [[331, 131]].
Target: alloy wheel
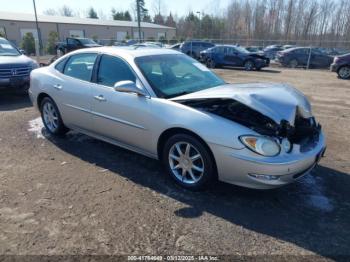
[[50, 117], [344, 72], [186, 163], [248, 65]]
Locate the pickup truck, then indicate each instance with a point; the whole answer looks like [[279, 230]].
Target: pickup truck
[[73, 43]]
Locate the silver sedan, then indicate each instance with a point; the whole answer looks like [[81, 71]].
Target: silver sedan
[[167, 106]]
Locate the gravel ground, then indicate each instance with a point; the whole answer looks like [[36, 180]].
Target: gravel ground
[[80, 196]]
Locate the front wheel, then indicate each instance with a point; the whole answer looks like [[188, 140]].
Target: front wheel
[[188, 161], [344, 72], [293, 63], [249, 65], [52, 118], [211, 63]]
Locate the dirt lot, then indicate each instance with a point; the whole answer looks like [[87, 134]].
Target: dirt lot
[[81, 196]]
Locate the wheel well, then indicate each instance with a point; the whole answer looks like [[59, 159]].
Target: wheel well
[[174, 131], [41, 96]]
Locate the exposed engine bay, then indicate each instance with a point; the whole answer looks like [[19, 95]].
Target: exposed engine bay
[[303, 132]]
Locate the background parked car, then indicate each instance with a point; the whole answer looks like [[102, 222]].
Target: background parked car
[[72, 44], [341, 65], [254, 49], [296, 57], [149, 45], [285, 47], [271, 51], [227, 55], [15, 67], [193, 48], [175, 47]]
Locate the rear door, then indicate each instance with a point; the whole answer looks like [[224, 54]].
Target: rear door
[[319, 59], [72, 89]]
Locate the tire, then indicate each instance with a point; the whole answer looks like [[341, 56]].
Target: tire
[[344, 72], [211, 63], [59, 53], [52, 118], [194, 170], [249, 65], [293, 63]]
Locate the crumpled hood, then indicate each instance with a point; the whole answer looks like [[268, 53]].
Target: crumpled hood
[[277, 101]]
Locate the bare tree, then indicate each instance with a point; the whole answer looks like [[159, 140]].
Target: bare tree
[[66, 11], [50, 11]]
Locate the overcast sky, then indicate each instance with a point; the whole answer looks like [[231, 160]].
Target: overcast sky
[[179, 7]]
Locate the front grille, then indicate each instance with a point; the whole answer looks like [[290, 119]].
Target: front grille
[[15, 72]]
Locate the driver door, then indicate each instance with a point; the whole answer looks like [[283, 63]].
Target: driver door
[[116, 115]]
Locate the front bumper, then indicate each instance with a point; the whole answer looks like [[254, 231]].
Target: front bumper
[[334, 67], [14, 82], [245, 168]]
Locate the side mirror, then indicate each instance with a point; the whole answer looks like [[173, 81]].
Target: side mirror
[[23, 51], [128, 86]]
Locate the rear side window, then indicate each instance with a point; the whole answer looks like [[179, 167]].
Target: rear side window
[[60, 65], [112, 70], [80, 66]]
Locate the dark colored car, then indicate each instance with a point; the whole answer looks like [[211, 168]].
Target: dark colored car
[[235, 56], [298, 57], [175, 47], [271, 51], [15, 67], [341, 65], [254, 49], [193, 48], [73, 43]]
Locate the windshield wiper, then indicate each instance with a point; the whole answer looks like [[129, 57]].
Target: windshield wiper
[[179, 94]]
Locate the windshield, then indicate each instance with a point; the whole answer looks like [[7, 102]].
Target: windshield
[[242, 50], [87, 41], [7, 49], [176, 74]]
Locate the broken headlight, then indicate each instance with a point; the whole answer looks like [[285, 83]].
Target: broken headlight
[[261, 145]]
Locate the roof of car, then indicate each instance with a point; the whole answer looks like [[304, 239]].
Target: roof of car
[[130, 51]]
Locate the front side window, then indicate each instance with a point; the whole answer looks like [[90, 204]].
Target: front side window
[[176, 74], [80, 66], [112, 70]]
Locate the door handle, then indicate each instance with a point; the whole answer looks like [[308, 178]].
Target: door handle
[[57, 86], [100, 98]]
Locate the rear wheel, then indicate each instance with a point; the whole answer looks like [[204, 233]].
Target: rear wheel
[[52, 118], [211, 63], [344, 72], [249, 65], [188, 161], [293, 63]]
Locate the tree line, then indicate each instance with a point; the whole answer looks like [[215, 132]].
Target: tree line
[[311, 21]]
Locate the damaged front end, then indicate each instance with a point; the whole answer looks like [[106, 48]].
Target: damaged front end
[[302, 131]]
